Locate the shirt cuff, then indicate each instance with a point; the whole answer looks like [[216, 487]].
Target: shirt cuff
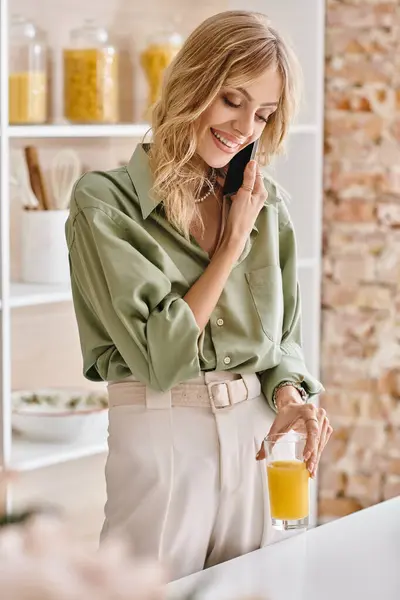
[[172, 338], [291, 368]]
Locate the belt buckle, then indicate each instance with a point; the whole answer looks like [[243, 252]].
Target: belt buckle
[[211, 397]]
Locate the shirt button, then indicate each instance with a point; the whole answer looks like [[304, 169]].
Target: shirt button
[[227, 360], [220, 322]]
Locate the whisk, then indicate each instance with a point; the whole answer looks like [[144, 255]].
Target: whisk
[[65, 170]]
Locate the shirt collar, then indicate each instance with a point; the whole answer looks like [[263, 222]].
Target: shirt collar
[[142, 178]]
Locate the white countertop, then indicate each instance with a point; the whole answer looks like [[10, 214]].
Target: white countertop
[[353, 558]]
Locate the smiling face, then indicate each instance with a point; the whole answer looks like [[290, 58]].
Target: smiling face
[[237, 117]]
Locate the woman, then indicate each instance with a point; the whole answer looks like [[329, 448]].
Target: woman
[[188, 306]]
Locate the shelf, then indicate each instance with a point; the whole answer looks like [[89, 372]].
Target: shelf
[[124, 130], [28, 456], [27, 294], [127, 130]]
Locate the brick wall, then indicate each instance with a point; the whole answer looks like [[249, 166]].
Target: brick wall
[[361, 292]]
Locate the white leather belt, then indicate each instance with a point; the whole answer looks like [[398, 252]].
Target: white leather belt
[[216, 393]]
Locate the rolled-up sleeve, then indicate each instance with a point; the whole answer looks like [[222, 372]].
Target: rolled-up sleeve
[[121, 295], [292, 367]]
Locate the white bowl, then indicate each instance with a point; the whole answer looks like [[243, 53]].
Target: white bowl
[[60, 415]]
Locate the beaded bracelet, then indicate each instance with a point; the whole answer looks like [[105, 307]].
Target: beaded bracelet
[[298, 387]]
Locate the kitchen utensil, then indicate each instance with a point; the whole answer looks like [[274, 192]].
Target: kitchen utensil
[[19, 178], [36, 177], [44, 251], [65, 170]]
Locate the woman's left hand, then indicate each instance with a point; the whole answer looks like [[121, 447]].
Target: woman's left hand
[[293, 414]]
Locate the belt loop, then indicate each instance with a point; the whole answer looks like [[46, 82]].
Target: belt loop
[[158, 400], [208, 377], [247, 384], [252, 385]]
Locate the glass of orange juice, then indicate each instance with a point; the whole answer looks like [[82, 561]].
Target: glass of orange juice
[[288, 480]]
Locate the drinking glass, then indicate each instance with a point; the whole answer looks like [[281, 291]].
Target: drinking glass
[[288, 480]]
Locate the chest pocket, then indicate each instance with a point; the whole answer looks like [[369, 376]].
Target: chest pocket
[[266, 289]]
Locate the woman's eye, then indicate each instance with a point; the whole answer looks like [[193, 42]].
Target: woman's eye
[[231, 104]]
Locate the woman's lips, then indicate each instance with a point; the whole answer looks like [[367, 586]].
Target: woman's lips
[[228, 136], [229, 149]]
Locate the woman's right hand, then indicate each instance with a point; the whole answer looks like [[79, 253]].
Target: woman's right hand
[[204, 294], [246, 206]]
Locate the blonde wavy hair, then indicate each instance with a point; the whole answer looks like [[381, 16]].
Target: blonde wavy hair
[[232, 48]]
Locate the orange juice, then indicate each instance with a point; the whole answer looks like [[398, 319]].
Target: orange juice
[[288, 489]]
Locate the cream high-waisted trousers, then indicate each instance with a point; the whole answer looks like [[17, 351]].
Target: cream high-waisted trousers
[[183, 484]]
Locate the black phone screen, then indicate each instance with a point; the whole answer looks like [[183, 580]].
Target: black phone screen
[[234, 176]]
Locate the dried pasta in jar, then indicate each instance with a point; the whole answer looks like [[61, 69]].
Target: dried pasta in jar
[[91, 85], [28, 73], [27, 99], [155, 59]]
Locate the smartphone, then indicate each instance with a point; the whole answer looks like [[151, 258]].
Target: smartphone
[[234, 176]]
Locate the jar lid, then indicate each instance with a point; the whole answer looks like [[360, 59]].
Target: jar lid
[[166, 36], [21, 28], [90, 33]]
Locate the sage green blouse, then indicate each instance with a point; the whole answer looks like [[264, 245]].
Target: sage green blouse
[[130, 270]]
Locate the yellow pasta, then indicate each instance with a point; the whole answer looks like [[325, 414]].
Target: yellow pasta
[[91, 86], [155, 59], [27, 97]]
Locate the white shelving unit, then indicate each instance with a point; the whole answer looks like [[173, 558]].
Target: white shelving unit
[[28, 456], [25, 294], [127, 130], [300, 173]]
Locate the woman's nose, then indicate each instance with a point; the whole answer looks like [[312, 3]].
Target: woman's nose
[[245, 125]]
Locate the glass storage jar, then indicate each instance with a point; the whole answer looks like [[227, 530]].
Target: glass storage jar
[[91, 78], [161, 48], [28, 78]]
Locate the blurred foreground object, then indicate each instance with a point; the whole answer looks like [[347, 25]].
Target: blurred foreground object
[[40, 559]]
